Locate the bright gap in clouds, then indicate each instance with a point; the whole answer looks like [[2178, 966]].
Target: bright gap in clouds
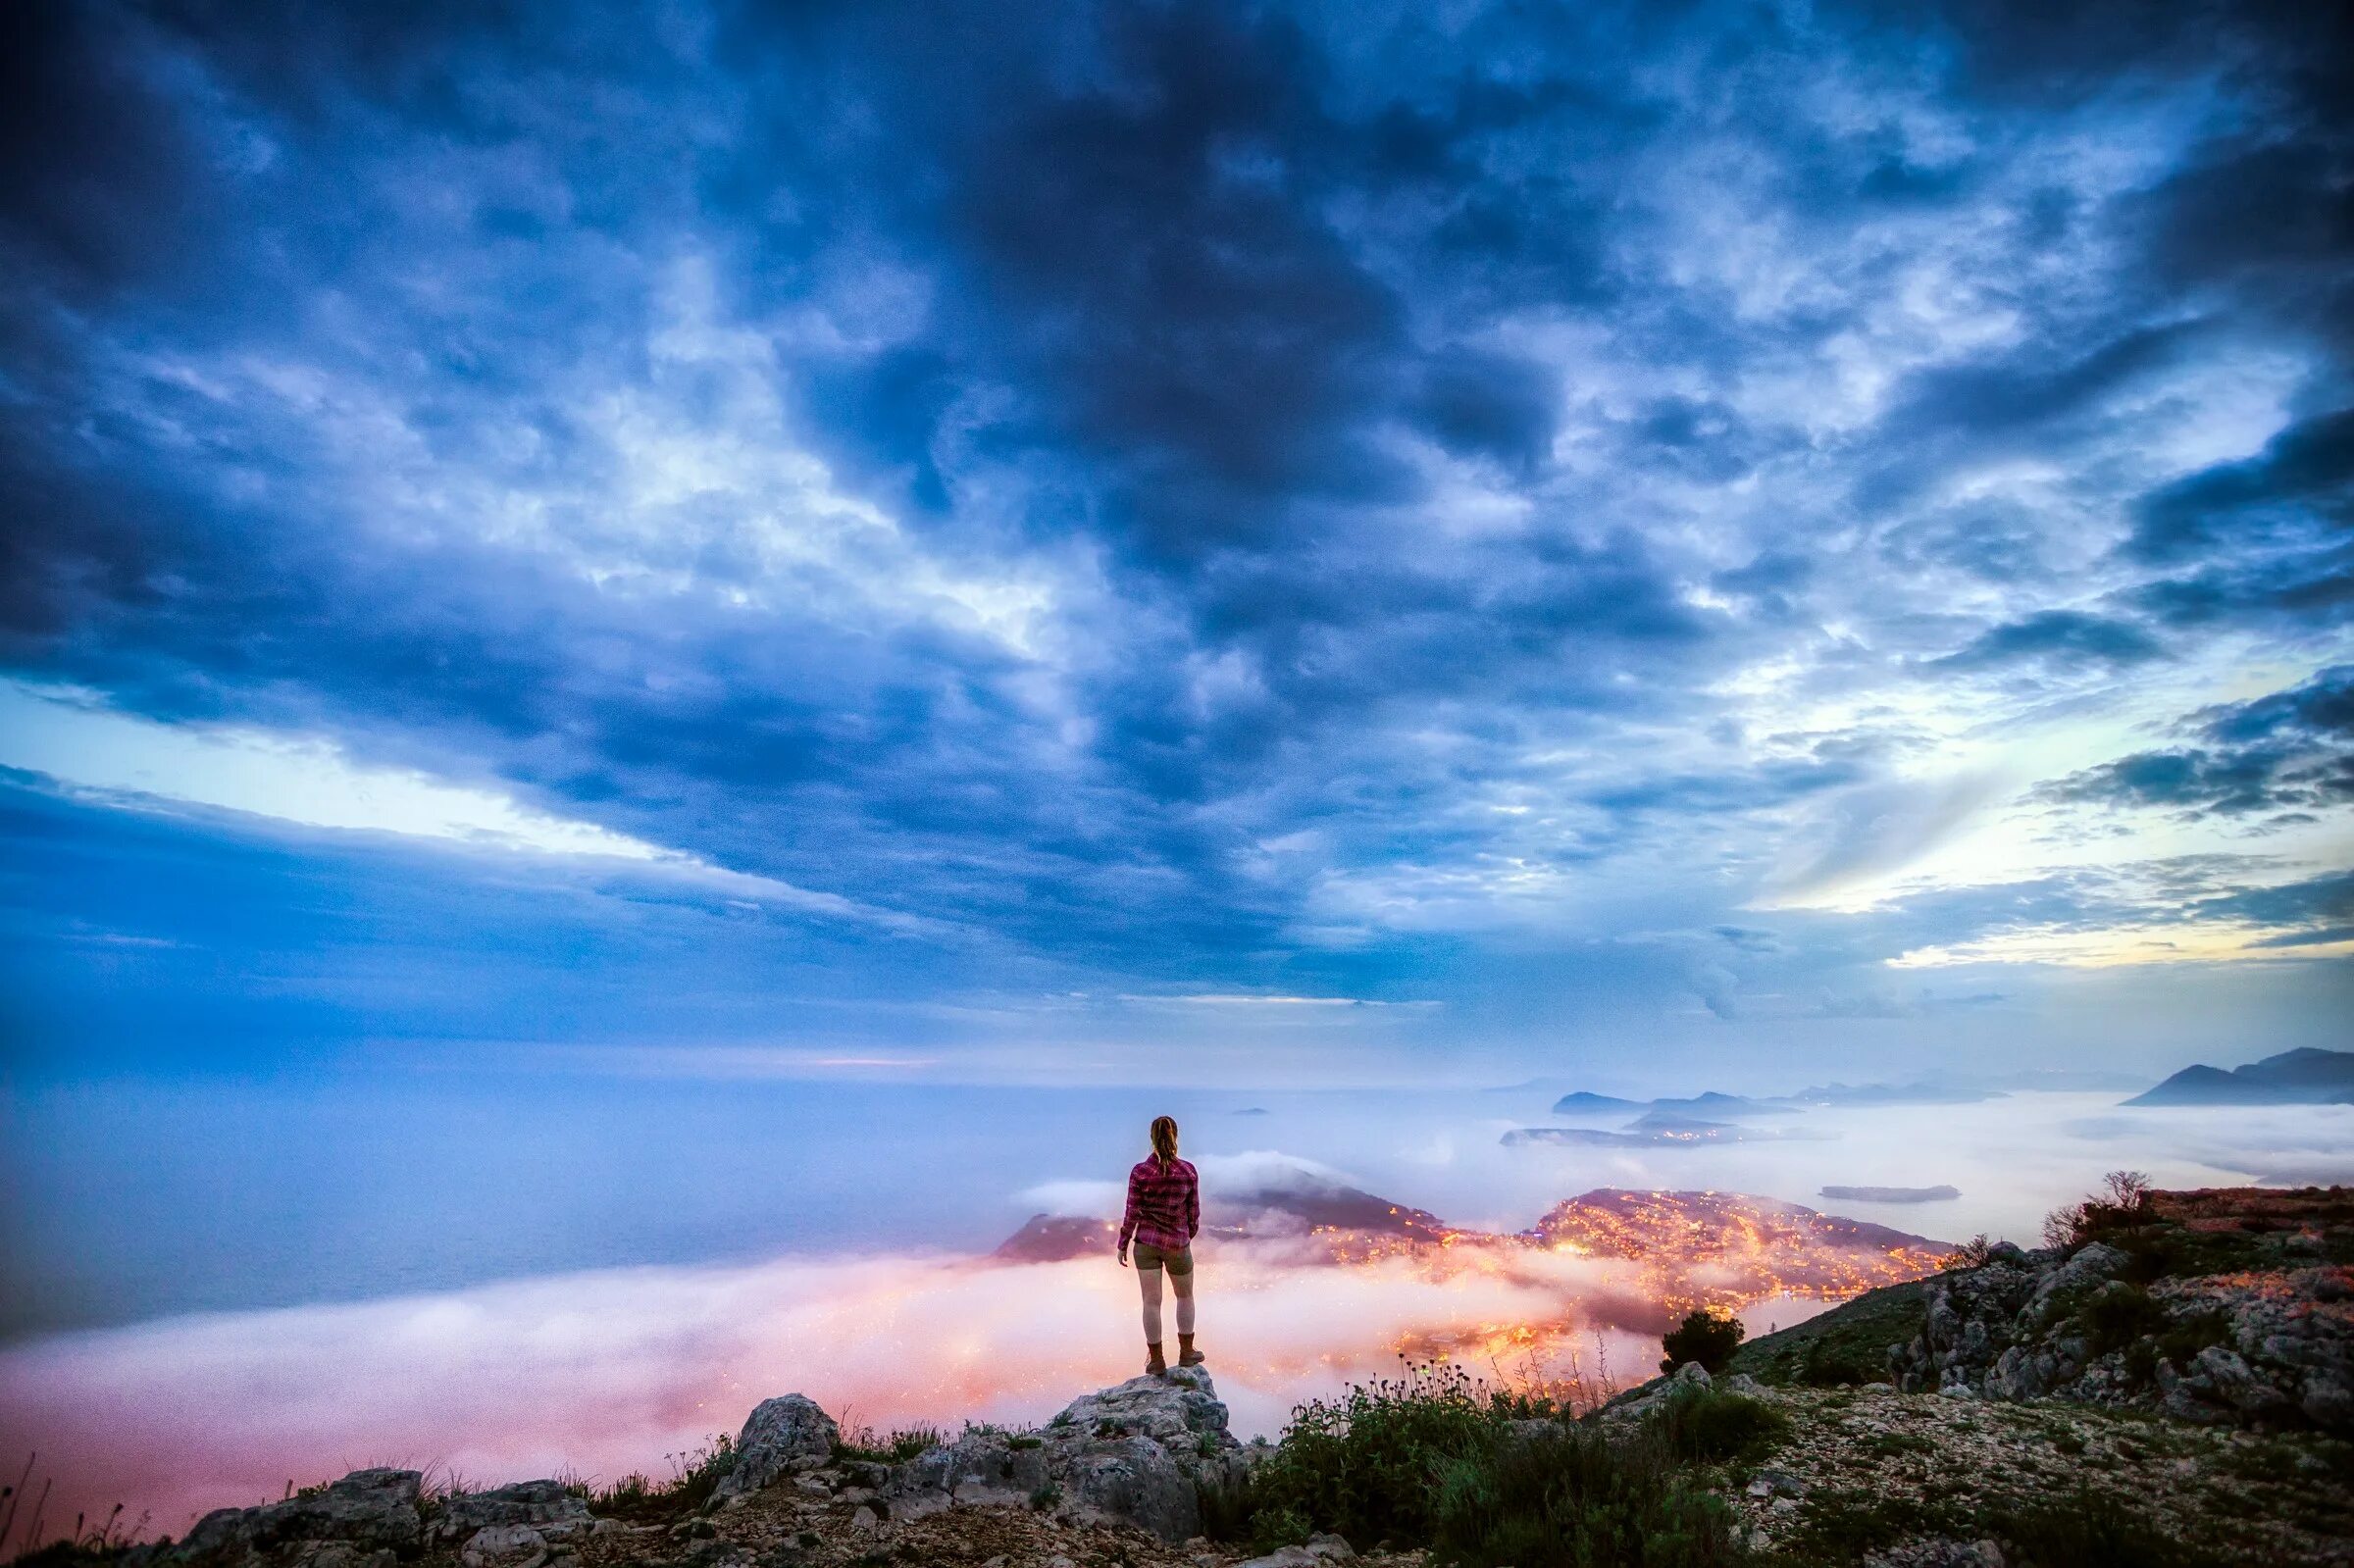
[[297, 778]]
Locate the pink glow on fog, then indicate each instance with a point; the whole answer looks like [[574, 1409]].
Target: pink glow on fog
[[598, 1375]]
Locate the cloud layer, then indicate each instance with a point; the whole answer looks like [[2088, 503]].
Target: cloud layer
[[1135, 502]]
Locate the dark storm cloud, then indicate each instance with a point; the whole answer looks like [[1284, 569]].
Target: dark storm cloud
[[2312, 588], [106, 178], [1207, 492], [2304, 477], [2290, 751], [2066, 636]]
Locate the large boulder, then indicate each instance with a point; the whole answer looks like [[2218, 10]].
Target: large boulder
[[347, 1524], [779, 1434], [1132, 1454]]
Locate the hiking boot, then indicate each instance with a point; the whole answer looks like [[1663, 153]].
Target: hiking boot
[[1156, 1367], [1186, 1355]]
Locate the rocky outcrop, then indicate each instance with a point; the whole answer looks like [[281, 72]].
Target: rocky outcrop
[[1136, 1454], [361, 1521], [552, 1510], [778, 1435], [376, 1518], [2266, 1349], [526, 1524]]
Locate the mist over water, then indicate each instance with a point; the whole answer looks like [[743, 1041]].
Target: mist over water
[[406, 1277]]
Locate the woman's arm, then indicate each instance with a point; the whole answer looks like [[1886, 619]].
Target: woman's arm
[[1129, 1218], [1192, 1206]]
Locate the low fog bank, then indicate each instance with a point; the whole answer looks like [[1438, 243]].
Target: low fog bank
[[604, 1374]]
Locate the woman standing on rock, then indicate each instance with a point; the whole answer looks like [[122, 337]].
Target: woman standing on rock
[[1164, 1215]]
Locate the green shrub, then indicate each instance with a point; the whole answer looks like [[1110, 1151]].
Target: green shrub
[[1709, 1426], [1578, 1498], [1705, 1338], [1272, 1529], [1363, 1464], [1435, 1459]]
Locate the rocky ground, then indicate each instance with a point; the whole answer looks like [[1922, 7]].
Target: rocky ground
[[1872, 1471]]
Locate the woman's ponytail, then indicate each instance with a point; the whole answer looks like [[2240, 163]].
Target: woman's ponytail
[[1164, 1140]]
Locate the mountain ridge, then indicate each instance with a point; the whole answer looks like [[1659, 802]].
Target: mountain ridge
[[2304, 1076]]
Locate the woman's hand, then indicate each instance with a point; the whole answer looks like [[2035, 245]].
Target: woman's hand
[[1123, 1254]]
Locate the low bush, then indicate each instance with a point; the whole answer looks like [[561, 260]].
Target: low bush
[[1436, 1459], [1363, 1464], [1576, 1498], [1708, 1426]]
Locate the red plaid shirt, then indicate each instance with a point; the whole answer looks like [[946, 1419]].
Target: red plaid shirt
[[1165, 1205]]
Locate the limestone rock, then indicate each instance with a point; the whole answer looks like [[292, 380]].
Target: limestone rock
[[365, 1512], [2265, 1350], [778, 1433], [545, 1505], [1134, 1453]]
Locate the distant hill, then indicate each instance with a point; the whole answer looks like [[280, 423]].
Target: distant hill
[[1709, 1105], [1714, 1106], [1056, 1238], [2303, 1077], [1587, 1103]]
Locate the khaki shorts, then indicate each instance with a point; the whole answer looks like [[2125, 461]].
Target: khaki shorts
[[1177, 1260]]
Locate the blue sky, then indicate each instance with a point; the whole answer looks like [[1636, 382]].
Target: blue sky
[[1357, 542]]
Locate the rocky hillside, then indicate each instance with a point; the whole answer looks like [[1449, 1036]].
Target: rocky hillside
[[2230, 1307]]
